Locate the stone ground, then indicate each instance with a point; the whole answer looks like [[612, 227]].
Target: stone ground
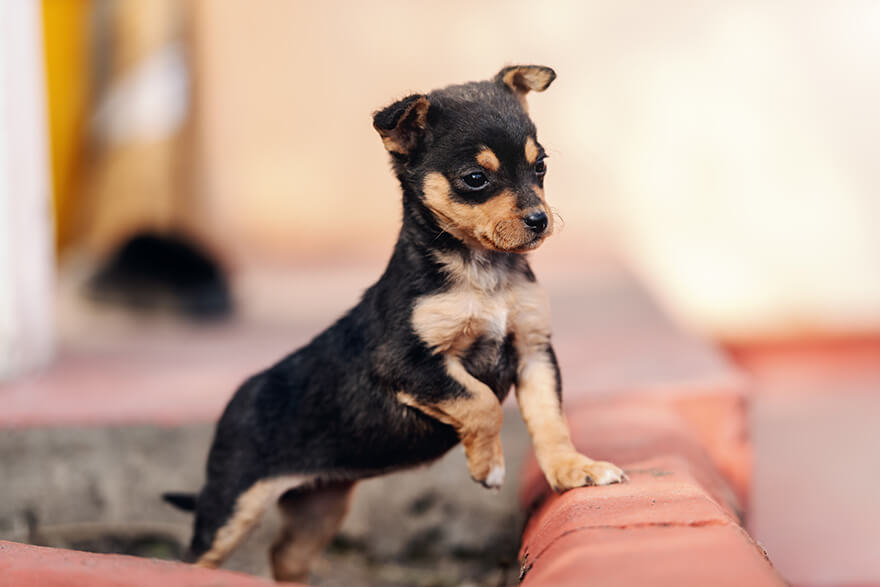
[[98, 489]]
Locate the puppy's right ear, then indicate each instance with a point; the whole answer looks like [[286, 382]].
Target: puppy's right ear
[[402, 125]]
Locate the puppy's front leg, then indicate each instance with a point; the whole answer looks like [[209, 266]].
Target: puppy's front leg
[[476, 416], [539, 395]]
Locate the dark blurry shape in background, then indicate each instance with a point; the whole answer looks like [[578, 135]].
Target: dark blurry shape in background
[[122, 153], [151, 272]]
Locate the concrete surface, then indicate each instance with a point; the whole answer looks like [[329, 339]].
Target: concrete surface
[[99, 488]]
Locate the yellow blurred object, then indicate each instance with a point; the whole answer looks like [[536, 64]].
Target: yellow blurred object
[[66, 31]]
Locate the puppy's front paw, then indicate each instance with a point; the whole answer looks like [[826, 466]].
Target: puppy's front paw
[[576, 470], [489, 474], [487, 466], [495, 478]]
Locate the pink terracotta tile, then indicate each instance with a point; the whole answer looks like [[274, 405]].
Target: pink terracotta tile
[[22, 565], [660, 492], [679, 556]]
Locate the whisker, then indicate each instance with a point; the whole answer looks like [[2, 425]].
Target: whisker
[[558, 218]]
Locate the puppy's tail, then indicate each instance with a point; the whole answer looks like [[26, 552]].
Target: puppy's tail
[[182, 501]]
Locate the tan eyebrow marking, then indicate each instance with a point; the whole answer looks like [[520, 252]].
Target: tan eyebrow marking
[[488, 159], [531, 150]]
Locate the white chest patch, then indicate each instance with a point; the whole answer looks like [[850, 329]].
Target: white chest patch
[[481, 302], [453, 320]]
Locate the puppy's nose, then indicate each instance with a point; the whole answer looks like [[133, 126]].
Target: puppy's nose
[[537, 222]]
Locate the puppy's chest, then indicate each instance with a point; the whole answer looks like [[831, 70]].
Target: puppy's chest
[[452, 321], [455, 319]]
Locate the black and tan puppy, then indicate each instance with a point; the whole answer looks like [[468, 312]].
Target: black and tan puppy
[[426, 357]]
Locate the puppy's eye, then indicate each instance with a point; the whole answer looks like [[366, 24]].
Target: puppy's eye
[[476, 180], [540, 167]]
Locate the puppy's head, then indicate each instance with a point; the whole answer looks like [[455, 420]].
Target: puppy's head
[[471, 155]]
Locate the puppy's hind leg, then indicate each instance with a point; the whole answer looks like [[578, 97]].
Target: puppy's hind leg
[[311, 517], [225, 517]]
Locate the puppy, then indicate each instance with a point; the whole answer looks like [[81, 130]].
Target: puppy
[[430, 352]]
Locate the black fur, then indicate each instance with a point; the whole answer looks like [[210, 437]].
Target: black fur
[[389, 117], [182, 501], [331, 407]]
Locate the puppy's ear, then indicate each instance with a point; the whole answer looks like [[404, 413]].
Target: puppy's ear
[[402, 125], [522, 79]]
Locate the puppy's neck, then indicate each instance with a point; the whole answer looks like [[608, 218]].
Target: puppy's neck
[[483, 271]]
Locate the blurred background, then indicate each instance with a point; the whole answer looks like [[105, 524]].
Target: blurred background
[[725, 150], [163, 161]]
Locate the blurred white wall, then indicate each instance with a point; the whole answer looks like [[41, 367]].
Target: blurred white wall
[[746, 167], [728, 149], [26, 261]]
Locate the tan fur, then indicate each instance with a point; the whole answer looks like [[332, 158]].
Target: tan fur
[[524, 79], [477, 273], [310, 520], [249, 509], [495, 224], [451, 321], [476, 418], [392, 145], [531, 150], [476, 304], [488, 159], [539, 404]]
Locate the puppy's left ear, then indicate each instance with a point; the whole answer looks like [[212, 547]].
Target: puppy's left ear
[[402, 125], [522, 79]]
